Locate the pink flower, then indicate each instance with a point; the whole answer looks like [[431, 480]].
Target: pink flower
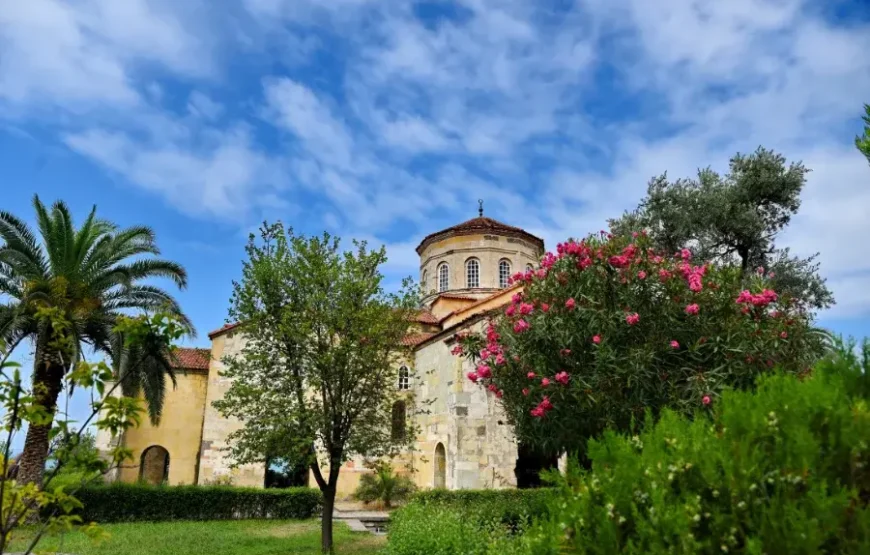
[[499, 393], [641, 275], [530, 375], [596, 339], [492, 387], [526, 391], [546, 404], [664, 275], [565, 352], [517, 298], [675, 344], [520, 326], [541, 273], [499, 359], [620, 261], [760, 270], [538, 412], [509, 311], [686, 254], [632, 319], [634, 234], [526, 308], [562, 377], [457, 350], [692, 309], [706, 399], [545, 382], [485, 354], [473, 376], [484, 371], [545, 307], [784, 335], [771, 274], [570, 303]]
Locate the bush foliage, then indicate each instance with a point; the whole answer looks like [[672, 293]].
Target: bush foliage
[[782, 470], [465, 521], [133, 502], [609, 328], [383, 485]]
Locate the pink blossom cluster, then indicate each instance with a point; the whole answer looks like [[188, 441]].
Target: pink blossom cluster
[[760, 300], [693, 275], [562, 377], [632, 319], [543, 408]]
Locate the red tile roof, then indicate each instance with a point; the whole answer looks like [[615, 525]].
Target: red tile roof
[[225, 328], [480, 225], [187, 358], [455, 296], [425, 316], [415, 339]]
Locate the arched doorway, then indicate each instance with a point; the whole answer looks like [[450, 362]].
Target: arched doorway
[[440, 466], [154, 465]]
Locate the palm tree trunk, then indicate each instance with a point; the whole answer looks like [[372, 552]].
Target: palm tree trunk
[[47, 384]]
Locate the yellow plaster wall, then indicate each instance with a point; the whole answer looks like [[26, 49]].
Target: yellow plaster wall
[[178, 431]]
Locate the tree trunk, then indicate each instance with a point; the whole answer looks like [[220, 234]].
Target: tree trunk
[[47, 384], [326, 519]]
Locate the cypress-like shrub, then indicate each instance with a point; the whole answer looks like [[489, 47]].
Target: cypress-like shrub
[[134, 502]]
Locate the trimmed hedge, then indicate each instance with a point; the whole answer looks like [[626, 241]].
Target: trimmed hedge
[[507, 506], [134, 502]]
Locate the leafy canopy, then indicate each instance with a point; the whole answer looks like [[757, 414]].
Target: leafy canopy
[[316, 378], [734, 218]]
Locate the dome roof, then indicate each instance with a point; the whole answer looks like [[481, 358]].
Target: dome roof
[[477, 226]]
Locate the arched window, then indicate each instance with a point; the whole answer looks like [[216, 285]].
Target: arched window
[[529, 268], [404, 378], [440, 466], [472, 273], [154, 465], [424, 282], [443, 277], [397, 432], [504, 273]]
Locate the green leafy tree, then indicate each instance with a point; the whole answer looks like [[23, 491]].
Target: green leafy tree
[[611, 328], [86, 276], [384, 485], [316, 378], [862, 142], [52, 507], [734, 218]]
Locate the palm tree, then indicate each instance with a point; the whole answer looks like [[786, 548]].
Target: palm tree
[[143, 368], [84, 278]]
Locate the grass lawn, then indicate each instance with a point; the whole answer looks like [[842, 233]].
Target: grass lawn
[[247, 537]]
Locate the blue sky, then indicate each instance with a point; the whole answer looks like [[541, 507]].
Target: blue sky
[[386, 120]]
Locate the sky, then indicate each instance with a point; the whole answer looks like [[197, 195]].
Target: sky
[[386, 120]]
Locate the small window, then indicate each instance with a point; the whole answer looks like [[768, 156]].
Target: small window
[[504, 273], [404, 378], [472, 273], [443, 277], [397, 432], [529, 268], [424, 282]]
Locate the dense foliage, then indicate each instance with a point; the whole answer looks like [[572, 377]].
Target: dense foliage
[[785, 469], [465, 521], [316, 379], [135, 502], [734, 218], [610, 328], [383, 485]]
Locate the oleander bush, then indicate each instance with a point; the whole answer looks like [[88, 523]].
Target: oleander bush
[[134, 502]]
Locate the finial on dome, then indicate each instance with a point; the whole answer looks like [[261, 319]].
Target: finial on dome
[[480, 207]]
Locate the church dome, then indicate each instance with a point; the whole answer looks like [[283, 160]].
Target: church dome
[[474, 259]]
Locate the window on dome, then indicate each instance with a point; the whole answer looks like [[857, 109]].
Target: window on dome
[[424, 282], [504, 273], [472, 273], [443, 277]]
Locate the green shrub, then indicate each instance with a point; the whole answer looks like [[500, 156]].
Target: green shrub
[[609, 328], [441, 529], [510, 507], [133, 502], [782, 470], [383, 485]]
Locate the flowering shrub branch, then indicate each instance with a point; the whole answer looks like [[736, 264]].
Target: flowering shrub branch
[[607, 328]]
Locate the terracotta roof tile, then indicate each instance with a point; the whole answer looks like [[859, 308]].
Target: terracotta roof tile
[[223, 329], [425, 316], [415, 339], [187, 358], [480, 225]]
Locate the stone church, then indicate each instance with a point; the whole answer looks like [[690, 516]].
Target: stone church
[[463, 440]]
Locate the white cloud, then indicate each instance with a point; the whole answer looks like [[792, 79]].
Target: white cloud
[[201, 105]]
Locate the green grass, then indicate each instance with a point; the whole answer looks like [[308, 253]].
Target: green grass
[[248, 537]]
